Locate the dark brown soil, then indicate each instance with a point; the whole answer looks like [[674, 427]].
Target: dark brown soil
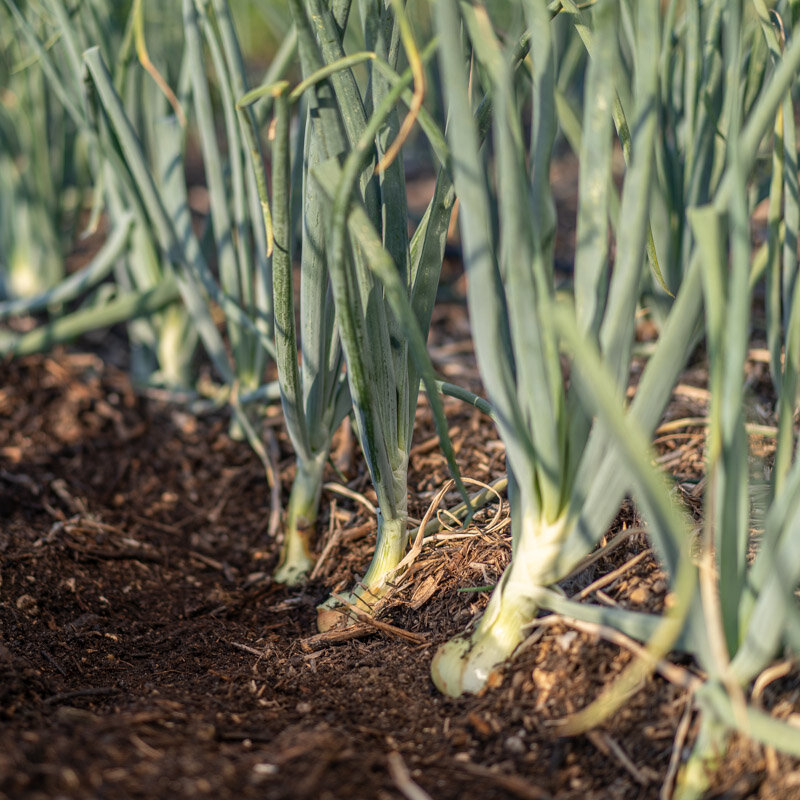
[[144, 651]]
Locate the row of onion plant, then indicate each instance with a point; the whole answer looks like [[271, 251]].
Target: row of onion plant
[[692, 93]]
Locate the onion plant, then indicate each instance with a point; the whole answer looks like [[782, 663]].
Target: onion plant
[[314, 391], [749, 605], [162, 340], [733, 614], [238, 232], [566, 477], [745, 614], [383, 403], [557, 460], [365, 229], [47, 165], [43, 171]]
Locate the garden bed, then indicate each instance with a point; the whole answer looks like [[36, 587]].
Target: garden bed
[[145, 652]]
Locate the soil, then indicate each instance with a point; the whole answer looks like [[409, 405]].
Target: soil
[[145, 651]]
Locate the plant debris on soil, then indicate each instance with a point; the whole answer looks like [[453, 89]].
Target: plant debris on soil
[[145, 651]]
